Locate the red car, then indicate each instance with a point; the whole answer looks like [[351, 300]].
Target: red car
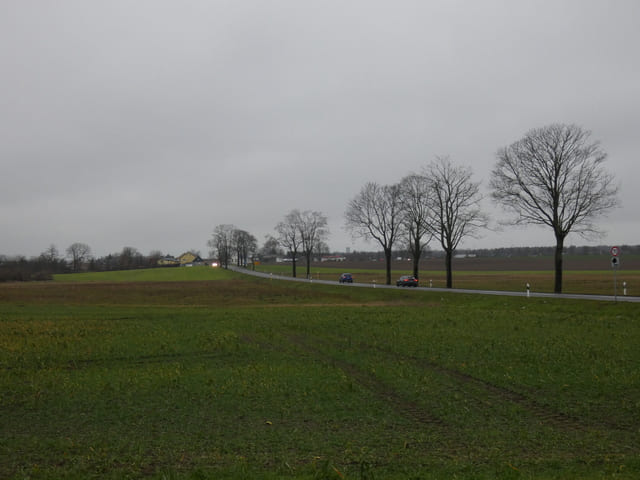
[[407, 281]]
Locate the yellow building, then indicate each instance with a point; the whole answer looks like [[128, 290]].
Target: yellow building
[[189, 259]]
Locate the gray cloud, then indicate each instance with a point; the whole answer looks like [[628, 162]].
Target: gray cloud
[[147, 123]]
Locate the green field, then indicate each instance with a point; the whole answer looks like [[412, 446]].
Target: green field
[[212, 374]]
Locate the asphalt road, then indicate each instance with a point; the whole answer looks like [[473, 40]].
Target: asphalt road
[[605, 298]]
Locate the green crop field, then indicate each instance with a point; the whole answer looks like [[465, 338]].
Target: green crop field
[[203, 373]]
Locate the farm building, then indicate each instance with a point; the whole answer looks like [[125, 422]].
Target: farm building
[[168, 261], [187, 259]]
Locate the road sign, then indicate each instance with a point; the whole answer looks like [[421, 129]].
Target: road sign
[[615, 264]]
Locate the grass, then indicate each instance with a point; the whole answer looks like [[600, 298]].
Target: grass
[[237, 377], [143, 275]]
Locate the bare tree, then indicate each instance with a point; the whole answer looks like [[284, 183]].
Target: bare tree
[[245, 245], [417, 199], [376, 212], [221, 243], [129, 257], [457, 214], [313, 230], [289, 235], [270, 248], [49, 261], [50, 255], [553, 176], [321, 248], [153, 257], [78, 252]]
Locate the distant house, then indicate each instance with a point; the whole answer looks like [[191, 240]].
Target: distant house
[[189, 259], [333, 258], [168, 261]]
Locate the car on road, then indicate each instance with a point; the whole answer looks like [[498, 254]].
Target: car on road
[[346, 278], [407, 281]]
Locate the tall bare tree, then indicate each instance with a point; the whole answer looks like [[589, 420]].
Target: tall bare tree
[[129, 257], [153, 257], [51, 255], [78, 252], [313, 230], [376, 212], [554, 176], [50, 260], [289, 236], [321, 248], [221, 243], [245, 245], [456, 211], [271, 247], [418, 201]]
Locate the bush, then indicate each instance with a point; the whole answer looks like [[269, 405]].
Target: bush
[[22, 273]]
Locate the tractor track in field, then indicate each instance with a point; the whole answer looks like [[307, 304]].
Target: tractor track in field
[[462, 381], [543, 413], [461, 384], [369, 381], [480, 395]]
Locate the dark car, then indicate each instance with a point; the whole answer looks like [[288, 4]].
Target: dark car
[[346, 278], [407, 281]]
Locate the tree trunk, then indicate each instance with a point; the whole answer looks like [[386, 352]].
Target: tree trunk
[[449, 268], [308, 264], [416, 253], [294, 264], [387, 257], [558, 264]]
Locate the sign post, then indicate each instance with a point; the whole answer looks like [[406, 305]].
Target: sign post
[[615, 264]]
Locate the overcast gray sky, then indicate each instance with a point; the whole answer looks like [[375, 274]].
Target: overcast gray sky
[[147, 123]]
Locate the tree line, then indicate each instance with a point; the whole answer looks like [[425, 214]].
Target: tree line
[[439, 203], [300, 232], [553, 176], [77, 257], [230, 243]]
